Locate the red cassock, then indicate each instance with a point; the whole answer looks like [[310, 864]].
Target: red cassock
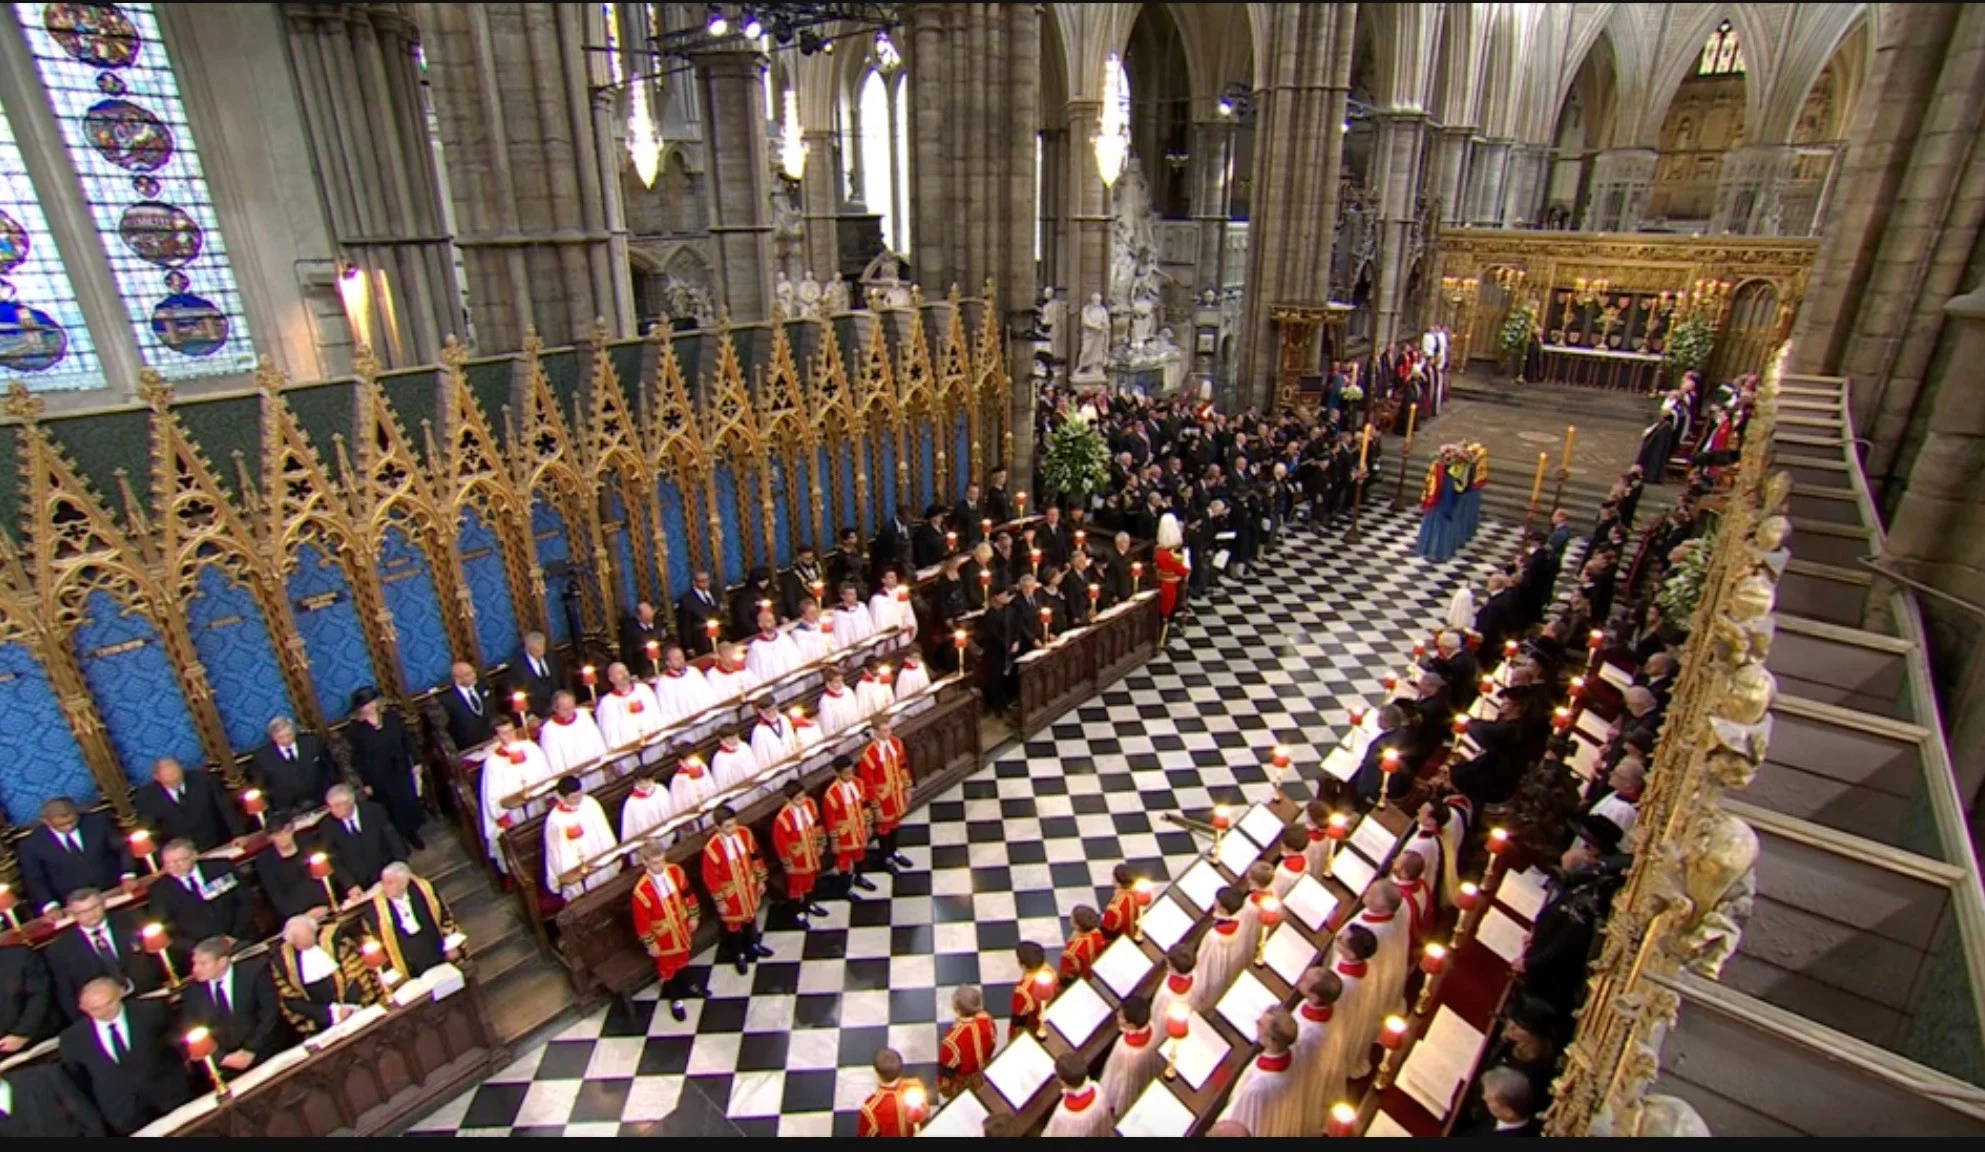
[[666, 924], [962, 1055], [735, 877], [1122, 914], [1172, 572], [1078, 954], [885, 1112], [797, 838], [886, 780], [845, 807]]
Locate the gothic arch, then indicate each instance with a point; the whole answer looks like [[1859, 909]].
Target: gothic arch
[[1681, 48], [1834, 35]]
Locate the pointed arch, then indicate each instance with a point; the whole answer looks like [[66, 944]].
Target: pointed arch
[[562, 519], [736, 468], [1680, 50]]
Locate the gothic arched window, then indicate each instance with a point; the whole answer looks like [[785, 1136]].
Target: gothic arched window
[[1721, 55], [44, 342], [882, 114]]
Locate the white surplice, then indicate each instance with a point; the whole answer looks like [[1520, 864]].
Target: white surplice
[[683, 693], [1319, 1065], [1353, 1026], [1135, 1060], [851, 625], [1081, 1113], [872, 696], [1390, 962], [1268, 1099], [641, 813], [839, 710], [568, 744], [885, 611], [1289, 870], [629, 717], [770, 657], [507, 771], [1174, 989], [562, 852], [690, 788], [773, 740], [911, 679], [809, 641], [1221, 956], [733, 766], [727, 685]]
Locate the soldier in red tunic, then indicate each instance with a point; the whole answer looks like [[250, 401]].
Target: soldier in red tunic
[[665, 916], [797, 838], [968, 1045], [1036, 986], [735, 875], [1123, 911], [886, 777], [897, 1106], [844, 807], [1084, 946]]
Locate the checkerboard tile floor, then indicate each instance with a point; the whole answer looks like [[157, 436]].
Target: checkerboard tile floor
[[784, 1051]]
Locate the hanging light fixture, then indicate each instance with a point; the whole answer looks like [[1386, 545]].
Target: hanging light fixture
[[644, 142], [752, 28], [792, 147], [717, 25], [886, 56], [1112, 142]]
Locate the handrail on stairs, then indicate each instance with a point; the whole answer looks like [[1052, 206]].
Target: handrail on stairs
[[1874, 564]]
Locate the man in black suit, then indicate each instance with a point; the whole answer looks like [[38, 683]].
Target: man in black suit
[[71, 849], [237, 1003], [1507, 1097], [40, 1100], [1026, 613], [27, 1007], [638, 630], [538, 674], [1456, 665], [891, 547], [180, 805], [693, 613], [99, 943], [465, 706], [805, 580], [927, 545], [124, 1055], [292, 769], [746, 601], [966, 516], [845, 566], [199, 899], [360, 839], [1394, 734]]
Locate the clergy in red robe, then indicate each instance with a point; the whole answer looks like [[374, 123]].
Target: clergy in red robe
[[1083, 946], [846, 812], [735, 876], [665, 916], [897, 1106], [886, 779], [797, 839], [967, 1045], [1123, 912]]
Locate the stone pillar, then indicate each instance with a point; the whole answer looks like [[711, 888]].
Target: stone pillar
[[817, 206], [1622, 181], [1529, 175], [1396, 174], [1488, 169], [1212, 205], [732, 84], [1087, 256], [1447, 172], [1750, 191]]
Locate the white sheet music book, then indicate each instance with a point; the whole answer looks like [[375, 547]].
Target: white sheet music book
[[1310, 902], [1201, 1051], [1441, 1064], [1360, 743], [1341, 764], [1288, 952], [1201, 883], [1522, 893], [1244, 1002], [1591, 725], [1262, 826], [1373, 840], [1485, 708], [963, 1118], [1584, 756], [1617, 676], [1353, 871], [1467, 748], [1237, 854], [1158, 1113], [357, 1022], [1020, 1070], [1383, 1125], [1501, 934], [1368, 727], [1122, 967], [1077, 1013], [1166, 922]]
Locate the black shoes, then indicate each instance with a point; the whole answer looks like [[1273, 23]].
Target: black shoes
[[743, 965], [900, 860], [678, 1011], [861, 882], [761, 952], [815, 910]]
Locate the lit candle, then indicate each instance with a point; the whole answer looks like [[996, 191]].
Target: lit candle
[[1561, 718], [1357, 716], [1388, 764], [373, 955], [1269, 912], [951, 541], [7, 902], [1020, 502], [1391, 1037], [915, 1105], [1136, 573], [1047, 614], [1571, 433], [153, 939], [1595, 638], [1364, 445], [141, 845], [589, 676], [519, 701], [985, 528], [1044, 987], [1577, 687], [1509, 648], [1433, 961], [253, 802], [1178, 1024], [1419, 649], [958, 639], [1034, 560], [1537, 484], [1343, 1120], [200, 1047], [710, 628], [1080, 537], [1460, 725], [1222, 818], [1498, 840]]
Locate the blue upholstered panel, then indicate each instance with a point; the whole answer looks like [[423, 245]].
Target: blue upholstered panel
[[321, 600], [782, 512], [408, 587], [489, 588], [620, 545], [862, 517], [232, 640], [549, 546], [675, 529], [926, 470], [961, 455], [134, 687], [725, 484], [39, 757], [883, 484]]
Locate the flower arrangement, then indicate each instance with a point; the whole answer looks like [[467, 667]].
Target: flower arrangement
[[1689, 345], [1077, 462], [1514, 338], [1683, 588]]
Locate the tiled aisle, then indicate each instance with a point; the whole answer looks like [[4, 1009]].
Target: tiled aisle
[[1001, 858]]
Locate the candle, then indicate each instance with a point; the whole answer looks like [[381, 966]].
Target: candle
[[200, 1043], [320, 865], [253, 802], [827, 625], [1595, 638], [1095, 590], [1279, 757], [1364, 445], [1509, 648], [1571, 433], [1467, 896], [1080, 537], [883, 674], [1388, 764], [1498, 840], [1391, 1037], [373, 954], [519, 701], [1357, 717], [1391, 682], [1561, 718], [1577, 687], [1433, 960], [1269, 912], [1034, 560], [1460, 725], [1537, 483], [1178, 1023], [1222, 818], [985, 528], [916, 1104], [153, 939], [951, 541], [1136, 573], [1419, 649], [574, 831], [1488, 685], [1142, 891], [589, 676], [1020, 502], [902, 594], [1411, 412], [1343, 1120], [985, 579], [958, 639], [710, 628], [141, 844]]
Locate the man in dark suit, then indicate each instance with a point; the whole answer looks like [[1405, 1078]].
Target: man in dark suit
[[538, 674], [40, 1100], [199, 899], [180, 805], [98, 943], [693, 613], [1456, 665], [360, 839], [1507, 1097], [966, 516], [27, 1007], [237, 1003], [124, 1055], [284, 870], [638, 630], [71, 849], [1052, 537], [292, 769], [845, 565], [927, 545], [745, 602], [805, 580], [1394, 734], [1026, 613], [466, 707], [890, 548]]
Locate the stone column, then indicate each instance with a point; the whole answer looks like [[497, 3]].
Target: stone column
[[1211, 184], [1622, 181], [1488, 169], [1396, 173], [1750, 191], [817, 204], [1087, 258], [1447, 172], [732, 84]]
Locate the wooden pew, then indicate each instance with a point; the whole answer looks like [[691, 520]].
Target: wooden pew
[[1081, 663], [941, 746]]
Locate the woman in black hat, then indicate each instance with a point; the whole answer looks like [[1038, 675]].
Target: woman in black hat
[[388, 762]]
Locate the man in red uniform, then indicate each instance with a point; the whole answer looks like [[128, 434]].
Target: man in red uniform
[[735, 875], [1084, 946], [797, 838], [1123, 912], [665, 916], [1033, 990], [886, 778], [897, 1106], [844, 808], [962, 1056]]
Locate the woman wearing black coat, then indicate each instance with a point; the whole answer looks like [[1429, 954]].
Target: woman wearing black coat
[[383, 752]]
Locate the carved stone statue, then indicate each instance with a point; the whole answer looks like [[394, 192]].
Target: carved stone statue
[[809, 297], [784, 306], [1171, 359], [1095, 344], [834, 298], [1143, 323], [1052, 309]]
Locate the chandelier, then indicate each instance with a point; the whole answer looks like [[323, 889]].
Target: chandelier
[[792, 145], [1112, 141], [644, 143]]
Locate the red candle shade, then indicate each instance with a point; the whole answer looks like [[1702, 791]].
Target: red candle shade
[[826, 625], [1044, 981], [1488, 685], [253, 802], [1498, 840], [1047, 614], [1577, 687], [7, 899], [1270, 912], [1222, 819], [1561, 718], [141, 843], [883, 674], [1419, 649], [1460, 725], [985, 527], [373, 955], [1020, 502], [1095, 590], [1338, 827], [153, 939], [519, 701], [951, 541], [1433, 960], [1393, 1034], [654, 647], [1080, 537], [1391, 682], [916, 1103], [985, 578], [1142, 892], [1595, 638], [1136, 569], [1357, 717], [200, 1043], [1343, 1120], [573, 831], [958, 639], [1509, 647], [589, 676], [1178, 1021], [1467, 897], [320, 865], [1034, 556], [710, 628], [1278, 758], [1389, 760], [902, 595]]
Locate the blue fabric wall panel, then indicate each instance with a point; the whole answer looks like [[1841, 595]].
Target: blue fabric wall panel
[[883, 483], [799, 500], [408, 588], [548, 544], [232, 640], [926, 465], [961, 455], [861, 516], [620, 546], [675, 529], [727, 514], [134, 687], [489, 588], [782, 514], [321, 600], [39, 757]]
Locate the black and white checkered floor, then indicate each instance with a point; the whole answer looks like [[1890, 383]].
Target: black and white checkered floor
[[785, 1051]]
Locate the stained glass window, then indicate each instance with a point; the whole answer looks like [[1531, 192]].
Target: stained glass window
[[44, 342], [111, 84], [1721, 55]]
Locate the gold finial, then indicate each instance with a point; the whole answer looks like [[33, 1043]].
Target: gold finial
[[153, 389], [454, 353], [22, 403], [916, 296], [723, 317], [533, 343], [365, 365], [267, 378], [953, 294]]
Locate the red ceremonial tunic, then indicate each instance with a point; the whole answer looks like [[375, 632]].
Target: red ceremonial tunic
[[1079, 953], [796, 837], [1122, 915], [962, 1056], [666, 925], [885, 1112], [1030, 995], [736, 880], [1172, 572], [886, 780], [844, 806]]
